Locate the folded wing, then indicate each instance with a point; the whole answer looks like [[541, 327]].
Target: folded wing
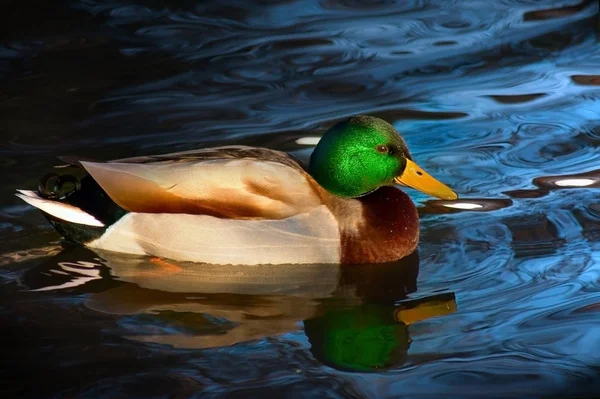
[[230, 182]]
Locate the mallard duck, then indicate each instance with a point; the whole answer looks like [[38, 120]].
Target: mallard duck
[[248, 205]]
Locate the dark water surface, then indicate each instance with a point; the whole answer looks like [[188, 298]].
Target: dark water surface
[[499, 99]]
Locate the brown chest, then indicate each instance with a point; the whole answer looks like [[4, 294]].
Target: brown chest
[[380, 227]]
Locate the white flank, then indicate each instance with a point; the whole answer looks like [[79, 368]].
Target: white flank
[[311, 237], [59, 210]]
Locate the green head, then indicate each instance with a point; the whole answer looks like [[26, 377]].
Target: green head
[[363, 153]]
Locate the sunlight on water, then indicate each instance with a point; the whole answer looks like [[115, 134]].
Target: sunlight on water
[[575, 182], [499, 100], [308, 140], [463, 205]]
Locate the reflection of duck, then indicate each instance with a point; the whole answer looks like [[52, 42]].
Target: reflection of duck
[[193, 306], [244, 205], [382, 282], [359, 338], [370, 337]]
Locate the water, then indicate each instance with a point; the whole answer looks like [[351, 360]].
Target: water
[[497, 99]]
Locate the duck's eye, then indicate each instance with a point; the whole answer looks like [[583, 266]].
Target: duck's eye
[[383, 149]]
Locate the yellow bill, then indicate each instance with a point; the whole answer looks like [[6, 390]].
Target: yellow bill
[[415, 177], [425, 311]]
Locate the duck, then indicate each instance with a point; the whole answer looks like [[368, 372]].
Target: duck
[[241, 205]]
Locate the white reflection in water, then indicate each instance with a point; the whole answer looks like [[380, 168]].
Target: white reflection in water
[[463, 205], [308, 140], [575, 182], [86, 270]]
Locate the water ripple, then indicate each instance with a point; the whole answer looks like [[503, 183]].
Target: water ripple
[[500, 101]]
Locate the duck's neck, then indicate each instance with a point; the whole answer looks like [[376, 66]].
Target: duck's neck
[[382, 226]]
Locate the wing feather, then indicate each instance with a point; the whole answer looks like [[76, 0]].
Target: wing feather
[[228, 182]]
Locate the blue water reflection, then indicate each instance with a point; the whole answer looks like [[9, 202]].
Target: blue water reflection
[[497, 99]]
